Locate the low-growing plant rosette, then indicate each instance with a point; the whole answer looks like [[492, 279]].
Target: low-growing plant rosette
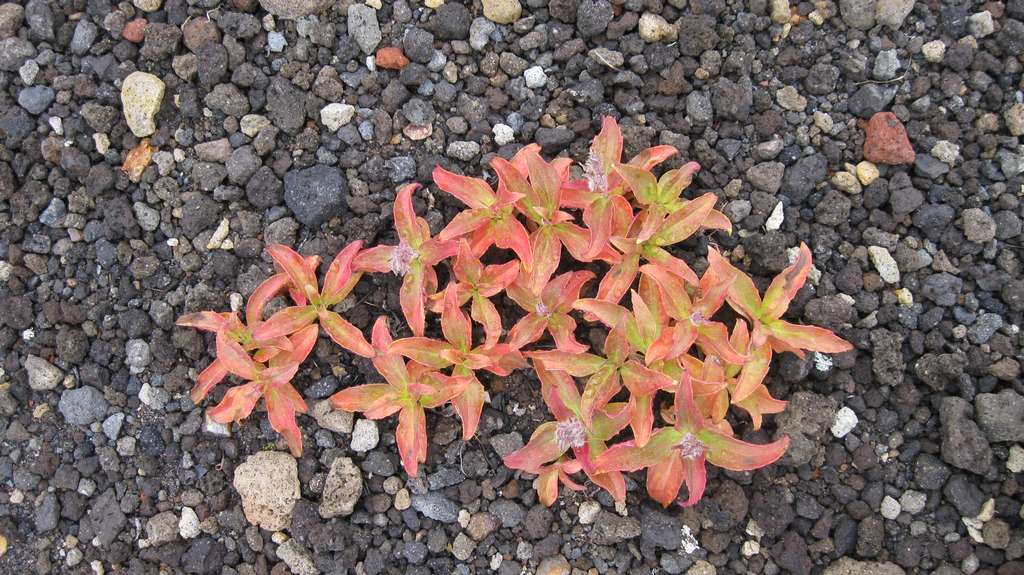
[[657, 396]]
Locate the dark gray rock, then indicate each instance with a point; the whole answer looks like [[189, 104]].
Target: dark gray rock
[[806, 419], [929, 472], [285, 105], [963, 444], [509, 512], [204, 556], [264, 189], [84, 36], [660, 529], [801, 178], [212, 64], [451, 21], [553, 140], [939, 370], [870, 536], [697, 34], [315, 194], [592, 17], [1001, 415], [766, 176], [930, 167], [612, 528], [418, 45], [732, 100], [791, 554], [47, 513], [942, 288], [104, 521], [39, 17], [401, 169], [1011, 36], [870, 99], [887, 357], [199, 213], [962, 491]]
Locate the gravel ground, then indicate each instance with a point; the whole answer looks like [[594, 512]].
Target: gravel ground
[[907, 452]]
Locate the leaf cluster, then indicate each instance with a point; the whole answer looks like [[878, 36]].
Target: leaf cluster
[[669, 368]]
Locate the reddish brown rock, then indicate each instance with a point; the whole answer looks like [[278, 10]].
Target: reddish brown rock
[[134, 31], [391, 58], [199, 31], [886, 141]]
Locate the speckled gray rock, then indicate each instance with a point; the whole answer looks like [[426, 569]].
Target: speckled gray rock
[[294, 9], [1001, 415], [858, 14], [892, 13], [806, 419], [268, 483], [436, 507], [82, 406], [963, 444], [13, 53], [297, 558], [161, 528], [342, 489], [363, 27], [42, 375], [11, 17], [848, 566]]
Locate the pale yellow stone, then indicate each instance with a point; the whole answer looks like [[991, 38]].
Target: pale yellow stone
[[141, 96], [434, 4], [403, 500], [654, 28], [846, 182], [780, 11], [502, 11], [904, 296], [867, 173]]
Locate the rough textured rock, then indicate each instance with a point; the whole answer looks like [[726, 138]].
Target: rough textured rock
[[805, 420], [294, 9], [886, 141], [315, 194], [268, 483], [849, 566], [42, 375], [963, 444], [1001, 415], [141, 96], [342, 490], [502, 11], [82, 406]]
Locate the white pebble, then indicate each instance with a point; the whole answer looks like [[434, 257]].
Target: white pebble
[[885, 264], [844, 422], [588, 511], [188, 525], [774, 220], [890, 508], [535, 77], [364, 435], [335, 115], [503, 134]]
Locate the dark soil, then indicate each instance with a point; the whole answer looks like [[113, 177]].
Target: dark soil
[[100, 440]]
